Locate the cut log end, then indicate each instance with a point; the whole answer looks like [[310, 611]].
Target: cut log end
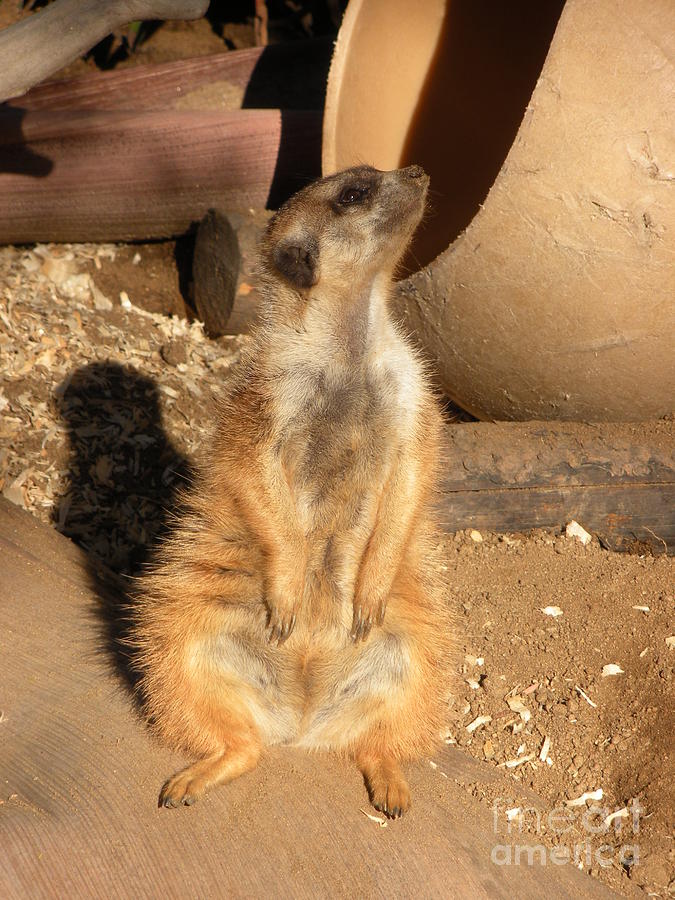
[[215, 270]]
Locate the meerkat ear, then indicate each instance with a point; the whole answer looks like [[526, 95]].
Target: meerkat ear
[[297, 259]]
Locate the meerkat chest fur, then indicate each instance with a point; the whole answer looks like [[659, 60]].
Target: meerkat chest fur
[[345, 399]]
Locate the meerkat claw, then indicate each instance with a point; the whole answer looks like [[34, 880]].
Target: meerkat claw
[[361, 626], [286, 630]]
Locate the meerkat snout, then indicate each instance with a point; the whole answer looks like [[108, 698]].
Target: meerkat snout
[[414, 172]]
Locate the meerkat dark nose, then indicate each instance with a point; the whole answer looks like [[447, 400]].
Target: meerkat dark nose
[[414, 171]]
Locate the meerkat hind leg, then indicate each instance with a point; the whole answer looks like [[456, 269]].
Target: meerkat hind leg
[[187, 785], [387, 788]]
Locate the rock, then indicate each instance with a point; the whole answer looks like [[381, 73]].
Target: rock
[[575, 530], [174, 353]]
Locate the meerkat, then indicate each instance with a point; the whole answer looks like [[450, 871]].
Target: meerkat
[[298, 599]]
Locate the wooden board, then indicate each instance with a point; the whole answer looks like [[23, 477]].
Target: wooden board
[[80, 777], [111, 175], [617, 480], [267, 77], [143, 152]]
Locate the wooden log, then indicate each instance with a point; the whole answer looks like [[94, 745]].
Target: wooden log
[[246, 300], [36, 47], [113, 176], [215, 270], [617, 480], [281, 76]]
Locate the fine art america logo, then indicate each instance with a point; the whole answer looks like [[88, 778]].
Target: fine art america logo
[[565, 824]]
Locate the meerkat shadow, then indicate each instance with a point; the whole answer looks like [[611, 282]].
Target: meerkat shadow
[[121, 488]]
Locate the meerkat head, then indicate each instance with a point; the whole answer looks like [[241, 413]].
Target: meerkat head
[[343, 230]]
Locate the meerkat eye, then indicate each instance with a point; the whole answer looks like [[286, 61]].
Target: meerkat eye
[[352, 195]]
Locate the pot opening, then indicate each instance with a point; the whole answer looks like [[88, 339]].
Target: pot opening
[[474, 97], [442, 83]]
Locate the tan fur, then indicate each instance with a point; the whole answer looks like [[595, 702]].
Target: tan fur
[[298, 598]]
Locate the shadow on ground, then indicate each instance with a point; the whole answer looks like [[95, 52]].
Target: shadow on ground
[[124, 479]]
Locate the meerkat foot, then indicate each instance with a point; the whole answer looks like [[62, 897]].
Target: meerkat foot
[[387, 788], [188, 785]]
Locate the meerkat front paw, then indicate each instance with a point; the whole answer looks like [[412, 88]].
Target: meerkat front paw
[[392, 798], [283, 599], [366, 614], [280, 623]]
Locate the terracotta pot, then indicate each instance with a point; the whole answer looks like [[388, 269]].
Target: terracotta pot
[[546, 285]]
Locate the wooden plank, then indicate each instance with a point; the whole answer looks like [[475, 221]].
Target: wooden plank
[[91, 175], [620, 516], [36, 47], [267, 77], [616, 479], [489, 455]]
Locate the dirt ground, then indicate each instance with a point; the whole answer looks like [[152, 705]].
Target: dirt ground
[[107, 391]]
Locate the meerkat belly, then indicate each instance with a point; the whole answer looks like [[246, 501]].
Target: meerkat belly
[[345, 685]]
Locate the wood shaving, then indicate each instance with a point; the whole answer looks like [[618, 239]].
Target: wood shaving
[[611, 669], [587, 795], [619, 814], [477, 723], [519, 761], [382, 822], [585, 697], [545, 747], [516, 705]]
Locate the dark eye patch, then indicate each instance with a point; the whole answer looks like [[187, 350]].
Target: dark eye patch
[[352, 195]]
